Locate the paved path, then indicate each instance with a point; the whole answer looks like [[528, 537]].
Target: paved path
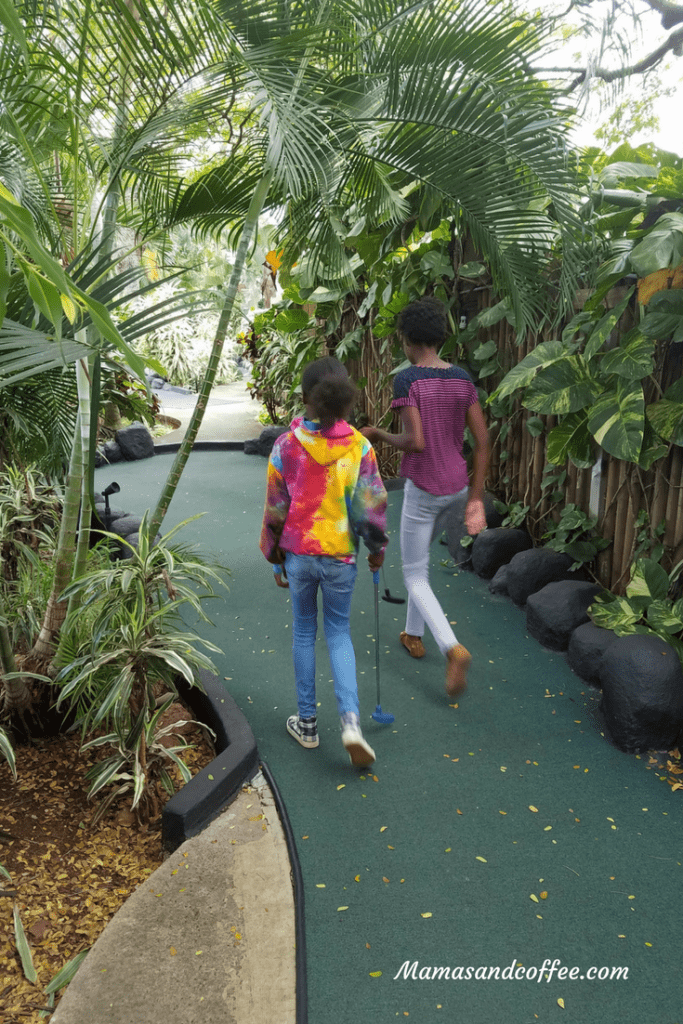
[[231, 415]]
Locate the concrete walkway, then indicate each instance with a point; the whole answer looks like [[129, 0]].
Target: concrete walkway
[[208, 938], [231, 415]]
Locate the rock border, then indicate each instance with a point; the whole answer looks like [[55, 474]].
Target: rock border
[[641, 704]]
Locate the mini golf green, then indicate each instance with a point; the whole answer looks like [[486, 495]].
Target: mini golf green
[[442, 856]]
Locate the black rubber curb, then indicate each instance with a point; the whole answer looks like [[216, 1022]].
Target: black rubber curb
[[299, 916], [208, 793], [201, 446]]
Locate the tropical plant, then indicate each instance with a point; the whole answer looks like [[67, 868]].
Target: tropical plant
[[574, 535], [279, 345], [596, 382], [7, 751], [649, 607], [515, 513], [20, 938], [134, 655], [349, 110]]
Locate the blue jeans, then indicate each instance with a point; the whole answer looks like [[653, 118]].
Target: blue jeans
[[336, 580]]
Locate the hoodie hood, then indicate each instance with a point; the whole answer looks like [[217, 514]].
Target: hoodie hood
[[326, 446]]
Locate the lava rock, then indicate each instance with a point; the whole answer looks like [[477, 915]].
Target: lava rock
[[135, 442], [114, 513], [499, 583], [529, 571], [555, 611], [493, 548], [126, 526], [111, 452], [263, 444], [587, 644], [642, 693]]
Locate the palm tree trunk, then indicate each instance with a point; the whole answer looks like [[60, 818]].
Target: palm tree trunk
[[248, 233], [84, 407], [55, 613]]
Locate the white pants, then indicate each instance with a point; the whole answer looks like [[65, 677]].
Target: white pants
[[423, 518]]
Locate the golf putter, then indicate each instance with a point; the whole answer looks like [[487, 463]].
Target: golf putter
[[387, 594], [383, 717]]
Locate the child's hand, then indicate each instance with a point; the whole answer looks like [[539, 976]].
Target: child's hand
[[475, 517], [371, 433], [281, 581], [376, 561]]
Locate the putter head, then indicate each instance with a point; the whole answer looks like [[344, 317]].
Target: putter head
[[392, 600], [383, 717]]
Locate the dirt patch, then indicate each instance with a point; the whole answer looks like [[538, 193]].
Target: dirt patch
[[68, 876]]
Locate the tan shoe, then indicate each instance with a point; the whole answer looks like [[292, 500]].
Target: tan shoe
[[413, 645], [458, 660]]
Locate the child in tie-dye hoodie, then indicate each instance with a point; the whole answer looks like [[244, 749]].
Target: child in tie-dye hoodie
[[324, 495]]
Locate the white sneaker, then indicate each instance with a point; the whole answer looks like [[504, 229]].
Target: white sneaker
[[360, 752]]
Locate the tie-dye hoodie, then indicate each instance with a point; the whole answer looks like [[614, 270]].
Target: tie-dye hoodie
[[324, 494]]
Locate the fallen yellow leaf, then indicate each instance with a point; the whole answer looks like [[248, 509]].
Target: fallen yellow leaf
[[343, 786], [384, 828], [533, 897], [384, 878], [483, 860], [375, 974], [547, 828], [357, 878], [543, 895], [534, 809], [428, 914], [458, 811], [320, 885], [390, 847], [560, 1003], [342, 908], [173, 951]]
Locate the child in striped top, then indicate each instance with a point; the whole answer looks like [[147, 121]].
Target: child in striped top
[[436, 401]]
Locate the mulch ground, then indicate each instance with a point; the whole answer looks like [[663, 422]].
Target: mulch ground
[[69, 877]]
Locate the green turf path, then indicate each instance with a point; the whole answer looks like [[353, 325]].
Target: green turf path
[[474, 810]]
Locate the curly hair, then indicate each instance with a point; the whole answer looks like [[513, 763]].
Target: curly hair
[[423, 322], [328, 389]]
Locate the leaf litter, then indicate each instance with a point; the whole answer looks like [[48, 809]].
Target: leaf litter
[[70, 877]]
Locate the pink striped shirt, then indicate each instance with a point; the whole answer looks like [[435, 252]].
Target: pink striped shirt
[[442, 395]]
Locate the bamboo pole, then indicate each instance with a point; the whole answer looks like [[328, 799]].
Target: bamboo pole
[[607, 521], [570, 492], [622, 508], [673, 498]]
